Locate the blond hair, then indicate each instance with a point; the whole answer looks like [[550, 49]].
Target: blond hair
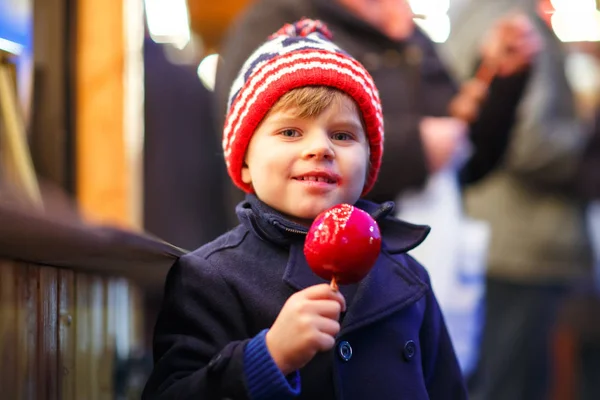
[[311, 101]]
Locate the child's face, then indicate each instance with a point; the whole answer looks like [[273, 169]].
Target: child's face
[[303, 166]]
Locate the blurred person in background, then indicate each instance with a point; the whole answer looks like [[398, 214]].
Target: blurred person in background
[[415, 86], [423, 136], [539, 248], [183, 194]]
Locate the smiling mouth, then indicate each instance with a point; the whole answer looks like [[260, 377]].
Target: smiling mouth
[[321, 179]]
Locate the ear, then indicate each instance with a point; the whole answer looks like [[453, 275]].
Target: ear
[[246, 178]]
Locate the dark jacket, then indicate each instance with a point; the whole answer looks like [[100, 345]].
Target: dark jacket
[[537, 218], [181, 155], [224, 295], [411, 79]]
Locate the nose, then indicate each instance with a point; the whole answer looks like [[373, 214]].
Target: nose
[[318, 146]]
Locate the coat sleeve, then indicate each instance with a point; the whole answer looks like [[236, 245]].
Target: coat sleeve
[[549, 139], [491, 132], [199, 337], [441, 370]]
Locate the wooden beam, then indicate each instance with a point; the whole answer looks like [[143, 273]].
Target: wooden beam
[[211, 19], [107, 177]]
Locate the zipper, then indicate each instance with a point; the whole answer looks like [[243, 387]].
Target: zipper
[[290, 230], [294, 231]]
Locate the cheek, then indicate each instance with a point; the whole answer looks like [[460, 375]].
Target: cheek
[[360, 170], [268, 170]]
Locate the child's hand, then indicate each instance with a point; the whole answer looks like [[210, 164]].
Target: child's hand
[[307, 324]]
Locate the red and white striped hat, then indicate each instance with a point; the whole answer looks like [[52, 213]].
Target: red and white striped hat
[[299, 54]]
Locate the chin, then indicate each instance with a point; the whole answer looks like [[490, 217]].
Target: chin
[[309, 213]]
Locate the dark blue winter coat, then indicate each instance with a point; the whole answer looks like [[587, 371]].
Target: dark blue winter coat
[[220, 299]]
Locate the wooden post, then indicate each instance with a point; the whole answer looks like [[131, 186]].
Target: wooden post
[[108, 142]]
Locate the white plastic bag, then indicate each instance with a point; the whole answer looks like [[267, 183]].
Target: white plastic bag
[[454, 254]]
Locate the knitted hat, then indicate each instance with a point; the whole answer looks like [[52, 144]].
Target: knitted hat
[[299, 54]]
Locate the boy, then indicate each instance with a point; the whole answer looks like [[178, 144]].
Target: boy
[[244, 317]]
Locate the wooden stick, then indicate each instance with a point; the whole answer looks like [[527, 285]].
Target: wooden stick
[[334, 286]]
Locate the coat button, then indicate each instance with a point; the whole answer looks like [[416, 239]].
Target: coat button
[[410, 348], [345, 351]]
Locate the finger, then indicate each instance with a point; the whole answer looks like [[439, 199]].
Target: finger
[[327, 308], [342, 300], [324, 341], [324, 292], [328, 326]]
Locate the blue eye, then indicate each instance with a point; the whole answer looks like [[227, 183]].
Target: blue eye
[[289, 133], [341, 136]]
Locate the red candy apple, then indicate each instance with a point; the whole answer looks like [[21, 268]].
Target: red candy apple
[[342, 244]]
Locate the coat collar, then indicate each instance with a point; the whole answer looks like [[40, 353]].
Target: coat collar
[[389, 287], [391, 284], [272, 226]]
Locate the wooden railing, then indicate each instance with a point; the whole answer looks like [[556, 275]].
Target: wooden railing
[[71, 307], [60, 332]]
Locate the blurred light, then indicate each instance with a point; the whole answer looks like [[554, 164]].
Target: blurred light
[[583, 72], [188, 55], [577, 26], [428, 7], [436, 23], [168, 21], [573, 5], [207, 71], [437, 26], [10, 47], [133, 108]]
